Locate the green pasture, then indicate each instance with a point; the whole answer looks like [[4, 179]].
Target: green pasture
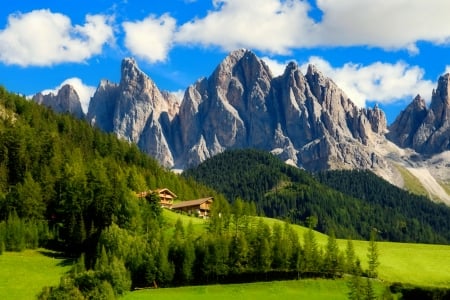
[[418, 264], [24, 274], [296, 289]]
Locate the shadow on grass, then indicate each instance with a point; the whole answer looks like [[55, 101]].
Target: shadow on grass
[[65, 261]]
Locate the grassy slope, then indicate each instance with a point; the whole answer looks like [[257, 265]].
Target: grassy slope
[[411, 182], [420, 264], [301, 289], [24, 274]]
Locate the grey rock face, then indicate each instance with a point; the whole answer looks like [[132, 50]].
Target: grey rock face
[[65, 101], [227, 110], [103, 105], [136, 110], [307, 120], [405, 126], [427, 131]]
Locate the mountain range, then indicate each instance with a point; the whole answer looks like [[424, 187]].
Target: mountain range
[[305, 119]]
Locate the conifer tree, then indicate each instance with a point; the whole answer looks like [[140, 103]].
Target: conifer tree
[[311, 255], [350, 258], [369, 290], [355, 285], [372, 256], [332, 255]]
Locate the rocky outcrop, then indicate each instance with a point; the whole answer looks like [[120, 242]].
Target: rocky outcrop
[[405, 126], [135, 110], [305, 119], [65, 101], [103, 105], [427, 131]]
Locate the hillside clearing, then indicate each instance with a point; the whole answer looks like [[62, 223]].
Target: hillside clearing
[[24, 274]]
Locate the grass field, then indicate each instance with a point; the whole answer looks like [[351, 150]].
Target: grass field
[[24, 274], [296, 289], [420, 264]]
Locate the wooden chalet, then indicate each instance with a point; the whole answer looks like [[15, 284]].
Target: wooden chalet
[[199, 207], [165, 195]]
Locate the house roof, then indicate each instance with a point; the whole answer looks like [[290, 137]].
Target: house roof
[[192, 202], [159, 191]]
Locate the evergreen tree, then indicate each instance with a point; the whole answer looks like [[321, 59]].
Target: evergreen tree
[[30, 199], [350, 258], [372, 256], [332, 264], [369, 290], [355, 285], [239, 253], [311, 255]]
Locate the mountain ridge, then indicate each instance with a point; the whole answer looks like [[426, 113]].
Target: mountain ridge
[[305, 119]]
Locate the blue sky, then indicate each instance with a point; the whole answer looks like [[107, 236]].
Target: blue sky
[[378, 53]]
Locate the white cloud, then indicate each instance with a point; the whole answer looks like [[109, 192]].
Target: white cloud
[[380, 82], [151, 38], [43, 38], [394, 24], [85, 92], [268, 25], [276, 26]]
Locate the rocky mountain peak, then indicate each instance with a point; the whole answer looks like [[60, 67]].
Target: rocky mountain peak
[[306, 119], [442, 90], [65, 101], [419, 103], [427, 131], [242, 65]]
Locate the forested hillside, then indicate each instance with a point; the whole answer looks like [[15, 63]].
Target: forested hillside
[[283, 191], [62, 181]]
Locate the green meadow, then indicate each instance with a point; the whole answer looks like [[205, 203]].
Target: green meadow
[[295, 289], [418, 264], [24, 274]]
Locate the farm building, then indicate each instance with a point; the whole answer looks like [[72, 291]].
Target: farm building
[[199, 207], [165, 195]]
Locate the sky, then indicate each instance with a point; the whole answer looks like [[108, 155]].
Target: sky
[[378, 52]]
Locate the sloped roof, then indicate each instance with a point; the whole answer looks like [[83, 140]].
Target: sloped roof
[[166, 190], [192, 202]]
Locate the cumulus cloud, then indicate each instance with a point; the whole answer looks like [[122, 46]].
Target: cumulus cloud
[[380, 82], [277, 26], [84, 91], [268, 25], [44, 38], [152, 38], [394, 24], [280, 26]]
